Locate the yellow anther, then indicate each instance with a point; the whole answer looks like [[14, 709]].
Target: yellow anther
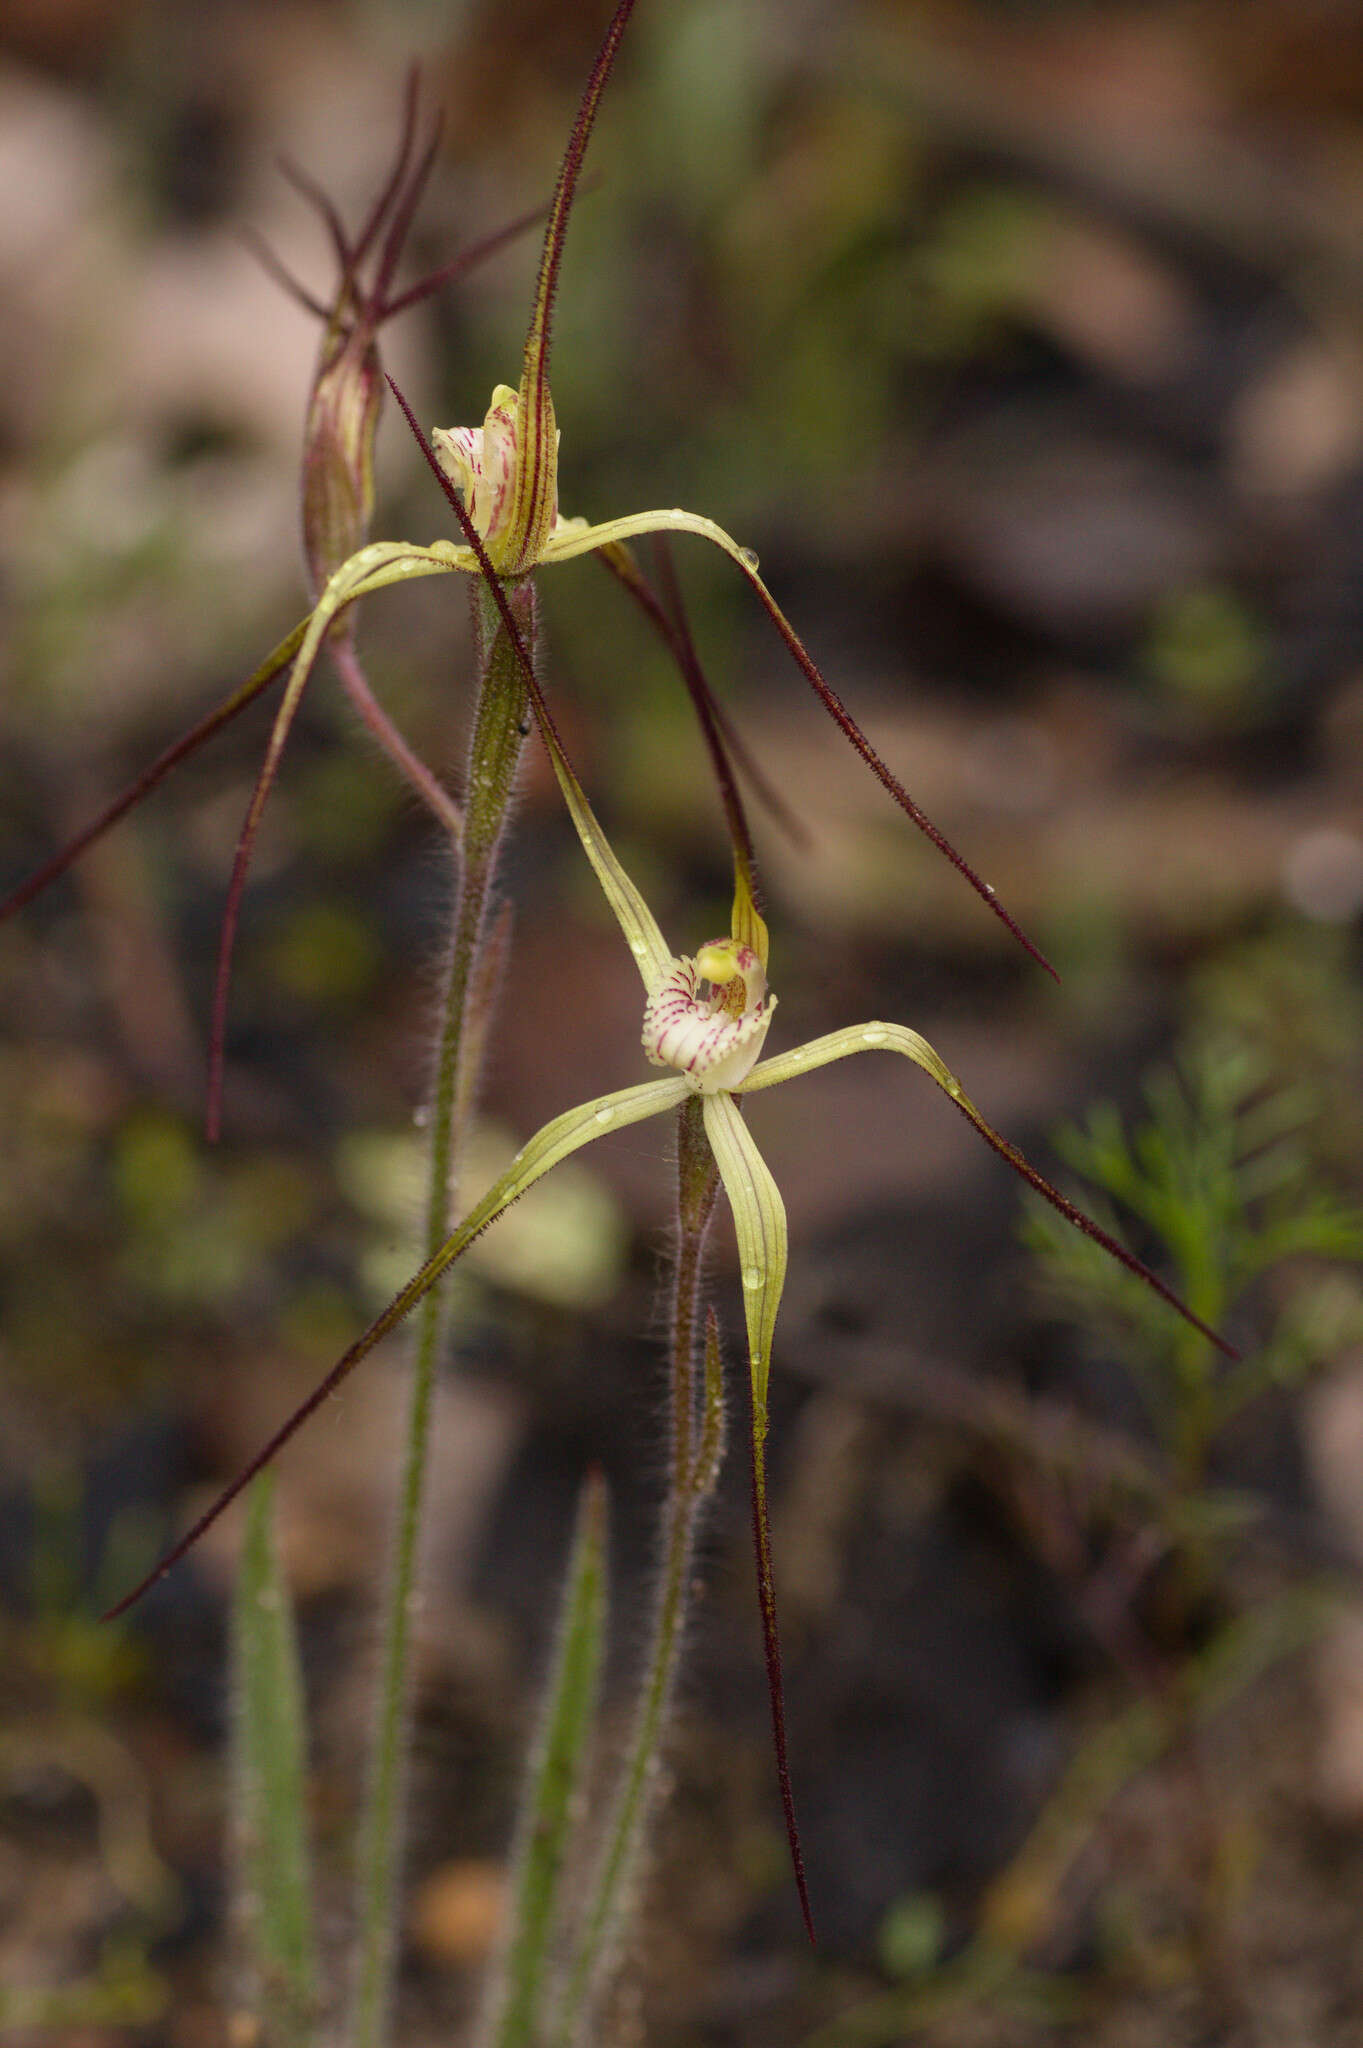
[[720, 961]]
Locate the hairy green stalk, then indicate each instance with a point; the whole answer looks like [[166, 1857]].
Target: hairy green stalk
[[696, 1445], [499, 732], [269, 1797], [549, 1808]]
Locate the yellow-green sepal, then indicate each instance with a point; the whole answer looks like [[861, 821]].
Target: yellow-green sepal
[[746, 922], [840, 1045], [878, 1037], [760, 1226], [651, 953], [372, 568], [551, 1144]]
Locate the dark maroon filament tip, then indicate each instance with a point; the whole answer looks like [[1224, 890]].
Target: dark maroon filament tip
[[771, 1644], [565, 188], [1085, 1223], [179, 750]]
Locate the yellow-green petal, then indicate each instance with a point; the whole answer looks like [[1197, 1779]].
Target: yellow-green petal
[[575, 539], [746, 921], [760, 1227], [652, 955], [373, 568], [840, 1045], [554, 1142], [877, 1037]]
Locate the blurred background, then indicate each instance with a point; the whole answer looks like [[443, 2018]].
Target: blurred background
[[1025, 344]]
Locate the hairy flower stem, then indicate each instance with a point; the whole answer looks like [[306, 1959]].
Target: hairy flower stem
[[696, 1437], [500, 726]]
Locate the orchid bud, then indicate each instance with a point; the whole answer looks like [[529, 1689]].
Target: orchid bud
[[512, 514], [347, 389], [338, 451]]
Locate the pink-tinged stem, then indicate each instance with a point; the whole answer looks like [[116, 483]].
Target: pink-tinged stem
[[695, 1448], [376, 720]]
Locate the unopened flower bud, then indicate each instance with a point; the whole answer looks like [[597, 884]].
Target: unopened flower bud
[[338, 452], [514, 512]]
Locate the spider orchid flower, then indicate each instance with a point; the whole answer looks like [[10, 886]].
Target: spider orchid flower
[[706, 1019], [508, 475], [502, 483]]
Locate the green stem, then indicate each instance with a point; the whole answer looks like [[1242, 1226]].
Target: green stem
[[694, 1458], [552, 1795], [499, 731]]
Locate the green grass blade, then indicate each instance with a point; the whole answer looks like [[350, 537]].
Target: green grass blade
[[552, 1791], [269, 1778]]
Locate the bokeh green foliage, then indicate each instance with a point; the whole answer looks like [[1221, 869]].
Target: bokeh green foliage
[[1232, 1172]]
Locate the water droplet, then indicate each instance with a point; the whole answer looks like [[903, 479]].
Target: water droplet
[[875, 1036], [749, 557], [988, 888], [603, 1116], [752, 1279], [638, 948], [421, 1117]]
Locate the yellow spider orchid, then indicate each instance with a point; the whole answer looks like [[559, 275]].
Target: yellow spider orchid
[[706, 1017], [502, 482]]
